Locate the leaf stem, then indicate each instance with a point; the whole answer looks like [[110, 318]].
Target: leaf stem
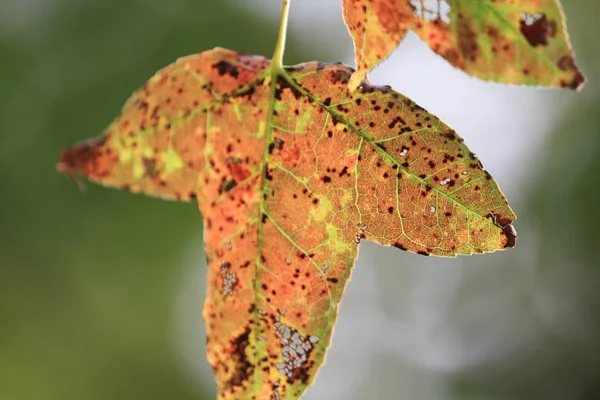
[[277, 62]]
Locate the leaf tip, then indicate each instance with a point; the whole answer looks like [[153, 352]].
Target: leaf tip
[[579, 81], [67, 168], [77, 160], [508, 230]]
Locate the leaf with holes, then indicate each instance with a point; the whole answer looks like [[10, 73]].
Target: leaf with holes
[[509, 41], [291, 171]]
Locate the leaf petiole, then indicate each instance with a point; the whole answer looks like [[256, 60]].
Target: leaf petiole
[[277, 62]]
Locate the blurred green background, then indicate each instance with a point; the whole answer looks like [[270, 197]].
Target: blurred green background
[[90, 284]]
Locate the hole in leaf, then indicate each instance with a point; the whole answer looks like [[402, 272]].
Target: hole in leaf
[[431, 10]]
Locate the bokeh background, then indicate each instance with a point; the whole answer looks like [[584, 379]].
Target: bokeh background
[[101, 292]]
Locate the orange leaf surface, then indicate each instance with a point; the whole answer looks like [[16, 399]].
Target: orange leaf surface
[[291, 171], [509, 41]]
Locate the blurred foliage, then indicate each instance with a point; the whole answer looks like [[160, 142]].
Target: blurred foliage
[[87, 281]]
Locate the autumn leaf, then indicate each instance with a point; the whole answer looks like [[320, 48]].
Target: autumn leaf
[[509, 41], [291, 171]]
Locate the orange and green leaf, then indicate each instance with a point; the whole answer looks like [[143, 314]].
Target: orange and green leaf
[[508, 41], [291, 171]]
